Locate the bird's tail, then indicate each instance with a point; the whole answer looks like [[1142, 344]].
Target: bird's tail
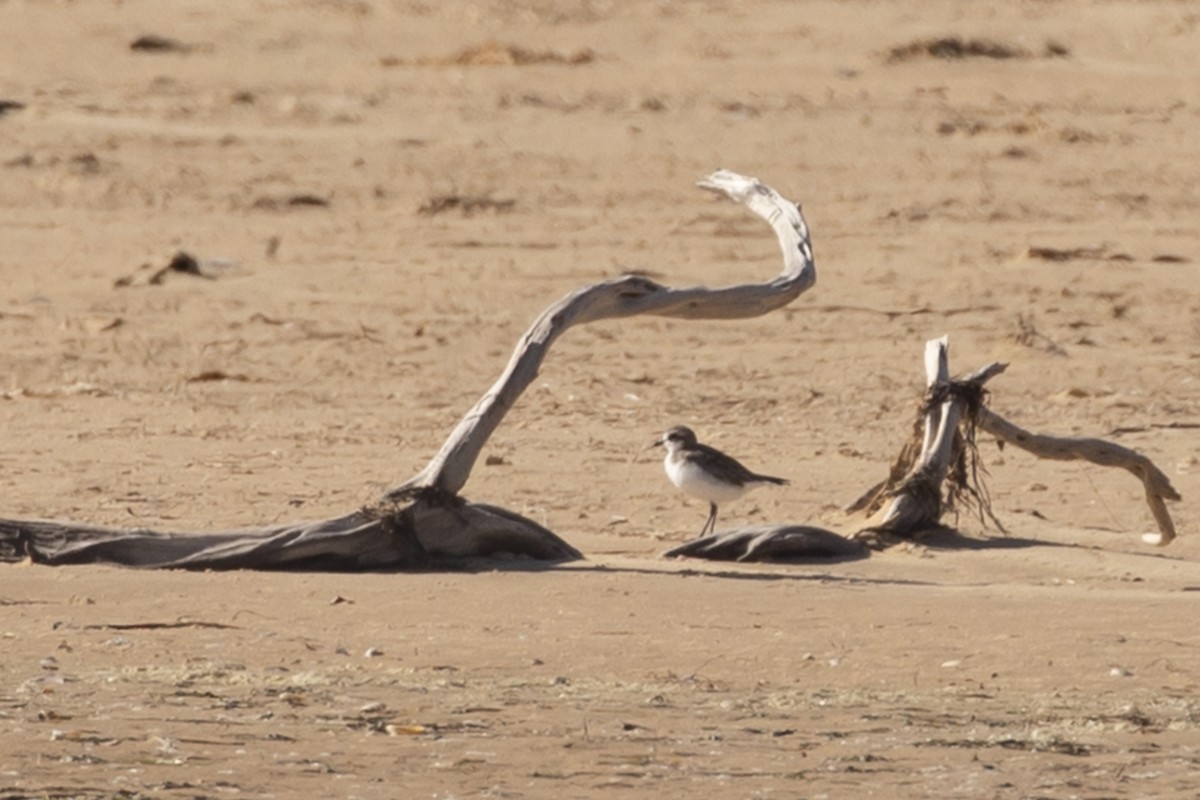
[[770, 479]]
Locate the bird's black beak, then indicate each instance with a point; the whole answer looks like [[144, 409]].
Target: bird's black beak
[[656, 443]]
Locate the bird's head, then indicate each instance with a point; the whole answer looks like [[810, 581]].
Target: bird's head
[[676, 438]]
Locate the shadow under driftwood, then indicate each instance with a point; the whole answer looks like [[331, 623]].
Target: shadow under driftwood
[[947, 538]]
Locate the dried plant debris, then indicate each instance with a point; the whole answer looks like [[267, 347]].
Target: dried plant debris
[[314, 200], [1101, 253], [1027, 126], [218, 375], [957, 48], [153, 43], [182, 263], [1053, 49], [953, 48], [152, 626], [1027, 335], [467, 205], [84, 164], [495, 54], [79, 164], [7, 106], [299, 200]]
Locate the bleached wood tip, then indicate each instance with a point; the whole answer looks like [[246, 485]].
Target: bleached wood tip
[[937, 361], [1156, 539], [731, 184]]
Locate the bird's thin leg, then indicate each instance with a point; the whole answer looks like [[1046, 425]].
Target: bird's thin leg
[[711, 524]]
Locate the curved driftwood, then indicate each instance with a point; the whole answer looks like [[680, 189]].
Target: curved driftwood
[[424, 519], [625, 297], [1097, 451]]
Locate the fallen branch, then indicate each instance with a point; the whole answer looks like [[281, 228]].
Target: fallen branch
[[914, 503], [424, 521], [1097, 451]]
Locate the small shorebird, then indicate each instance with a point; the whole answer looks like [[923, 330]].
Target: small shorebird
[[706, 472]]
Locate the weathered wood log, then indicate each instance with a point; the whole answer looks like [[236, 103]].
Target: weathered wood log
[[771, 543], [355, 541], [424, 519], [425, 534]]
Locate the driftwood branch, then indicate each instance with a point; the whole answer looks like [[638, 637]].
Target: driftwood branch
[[425, 521], [626, 297], [1097, 451], [916, 503], [422, 535]]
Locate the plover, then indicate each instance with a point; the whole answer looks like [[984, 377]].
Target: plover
[[707, 473]]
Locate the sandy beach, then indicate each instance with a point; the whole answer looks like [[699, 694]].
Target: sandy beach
[[380, 197]]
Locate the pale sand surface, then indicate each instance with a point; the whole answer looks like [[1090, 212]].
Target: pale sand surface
[[1060, 661]]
